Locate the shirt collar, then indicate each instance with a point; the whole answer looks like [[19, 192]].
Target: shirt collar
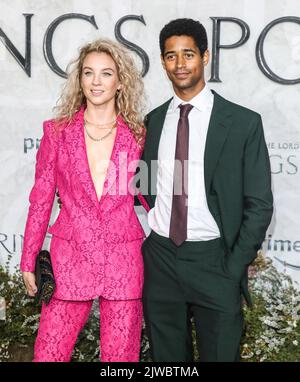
[[201, 101]]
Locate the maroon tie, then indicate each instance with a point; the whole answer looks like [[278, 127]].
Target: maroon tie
[[178, 223]]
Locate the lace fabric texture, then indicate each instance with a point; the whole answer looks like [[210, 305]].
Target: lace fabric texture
[[96, 244], [61, 322]]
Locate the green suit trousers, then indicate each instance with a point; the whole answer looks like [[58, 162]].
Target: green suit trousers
[[186, 281]]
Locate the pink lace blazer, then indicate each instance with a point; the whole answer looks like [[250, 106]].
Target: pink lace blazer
[[96, 245]]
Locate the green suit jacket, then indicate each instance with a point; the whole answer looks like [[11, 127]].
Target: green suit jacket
[[237, 179]]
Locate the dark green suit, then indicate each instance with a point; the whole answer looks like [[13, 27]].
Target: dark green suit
[[238, 190]]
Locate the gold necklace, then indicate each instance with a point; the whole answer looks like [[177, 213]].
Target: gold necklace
[[99, 139], [100, 124]]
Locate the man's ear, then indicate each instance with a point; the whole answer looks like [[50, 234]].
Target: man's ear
[[162, 61], [205, 58]]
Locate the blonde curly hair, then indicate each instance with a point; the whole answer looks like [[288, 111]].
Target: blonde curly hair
[[129, 101]]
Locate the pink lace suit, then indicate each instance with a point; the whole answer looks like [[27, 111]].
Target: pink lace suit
[[95, 247]]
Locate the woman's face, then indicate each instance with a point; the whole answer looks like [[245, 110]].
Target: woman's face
[[99, 79]]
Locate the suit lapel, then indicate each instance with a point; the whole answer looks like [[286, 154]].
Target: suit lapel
[[118, 161], [78, 155], [218, 129], [154, 130]]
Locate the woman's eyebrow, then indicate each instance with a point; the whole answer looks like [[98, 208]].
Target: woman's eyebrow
[[88, 67]]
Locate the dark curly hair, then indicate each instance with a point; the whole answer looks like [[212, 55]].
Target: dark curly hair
[[187, 27]]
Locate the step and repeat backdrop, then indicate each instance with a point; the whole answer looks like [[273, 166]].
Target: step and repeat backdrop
[[255, 61]]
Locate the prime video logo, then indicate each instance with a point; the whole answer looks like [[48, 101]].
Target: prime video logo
[[31, 143], [278, 248]]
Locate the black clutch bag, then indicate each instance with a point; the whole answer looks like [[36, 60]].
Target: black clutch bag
[[44, 277]]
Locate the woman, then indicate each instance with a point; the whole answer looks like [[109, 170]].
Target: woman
[[88, 153]]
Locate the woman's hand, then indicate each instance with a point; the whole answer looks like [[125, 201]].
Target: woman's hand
[[29, 281]]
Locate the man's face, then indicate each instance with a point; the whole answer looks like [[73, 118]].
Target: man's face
[[184, 65]]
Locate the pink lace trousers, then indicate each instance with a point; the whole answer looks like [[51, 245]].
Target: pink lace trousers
[[61, 322]]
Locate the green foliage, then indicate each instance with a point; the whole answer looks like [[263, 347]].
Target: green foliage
[[272, 330], [18, 331]]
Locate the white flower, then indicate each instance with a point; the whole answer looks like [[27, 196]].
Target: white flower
[[295, 343]]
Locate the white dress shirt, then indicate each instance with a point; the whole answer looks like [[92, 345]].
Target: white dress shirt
[[201, 225]]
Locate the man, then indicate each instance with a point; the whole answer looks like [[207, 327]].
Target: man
[[210, 205]]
